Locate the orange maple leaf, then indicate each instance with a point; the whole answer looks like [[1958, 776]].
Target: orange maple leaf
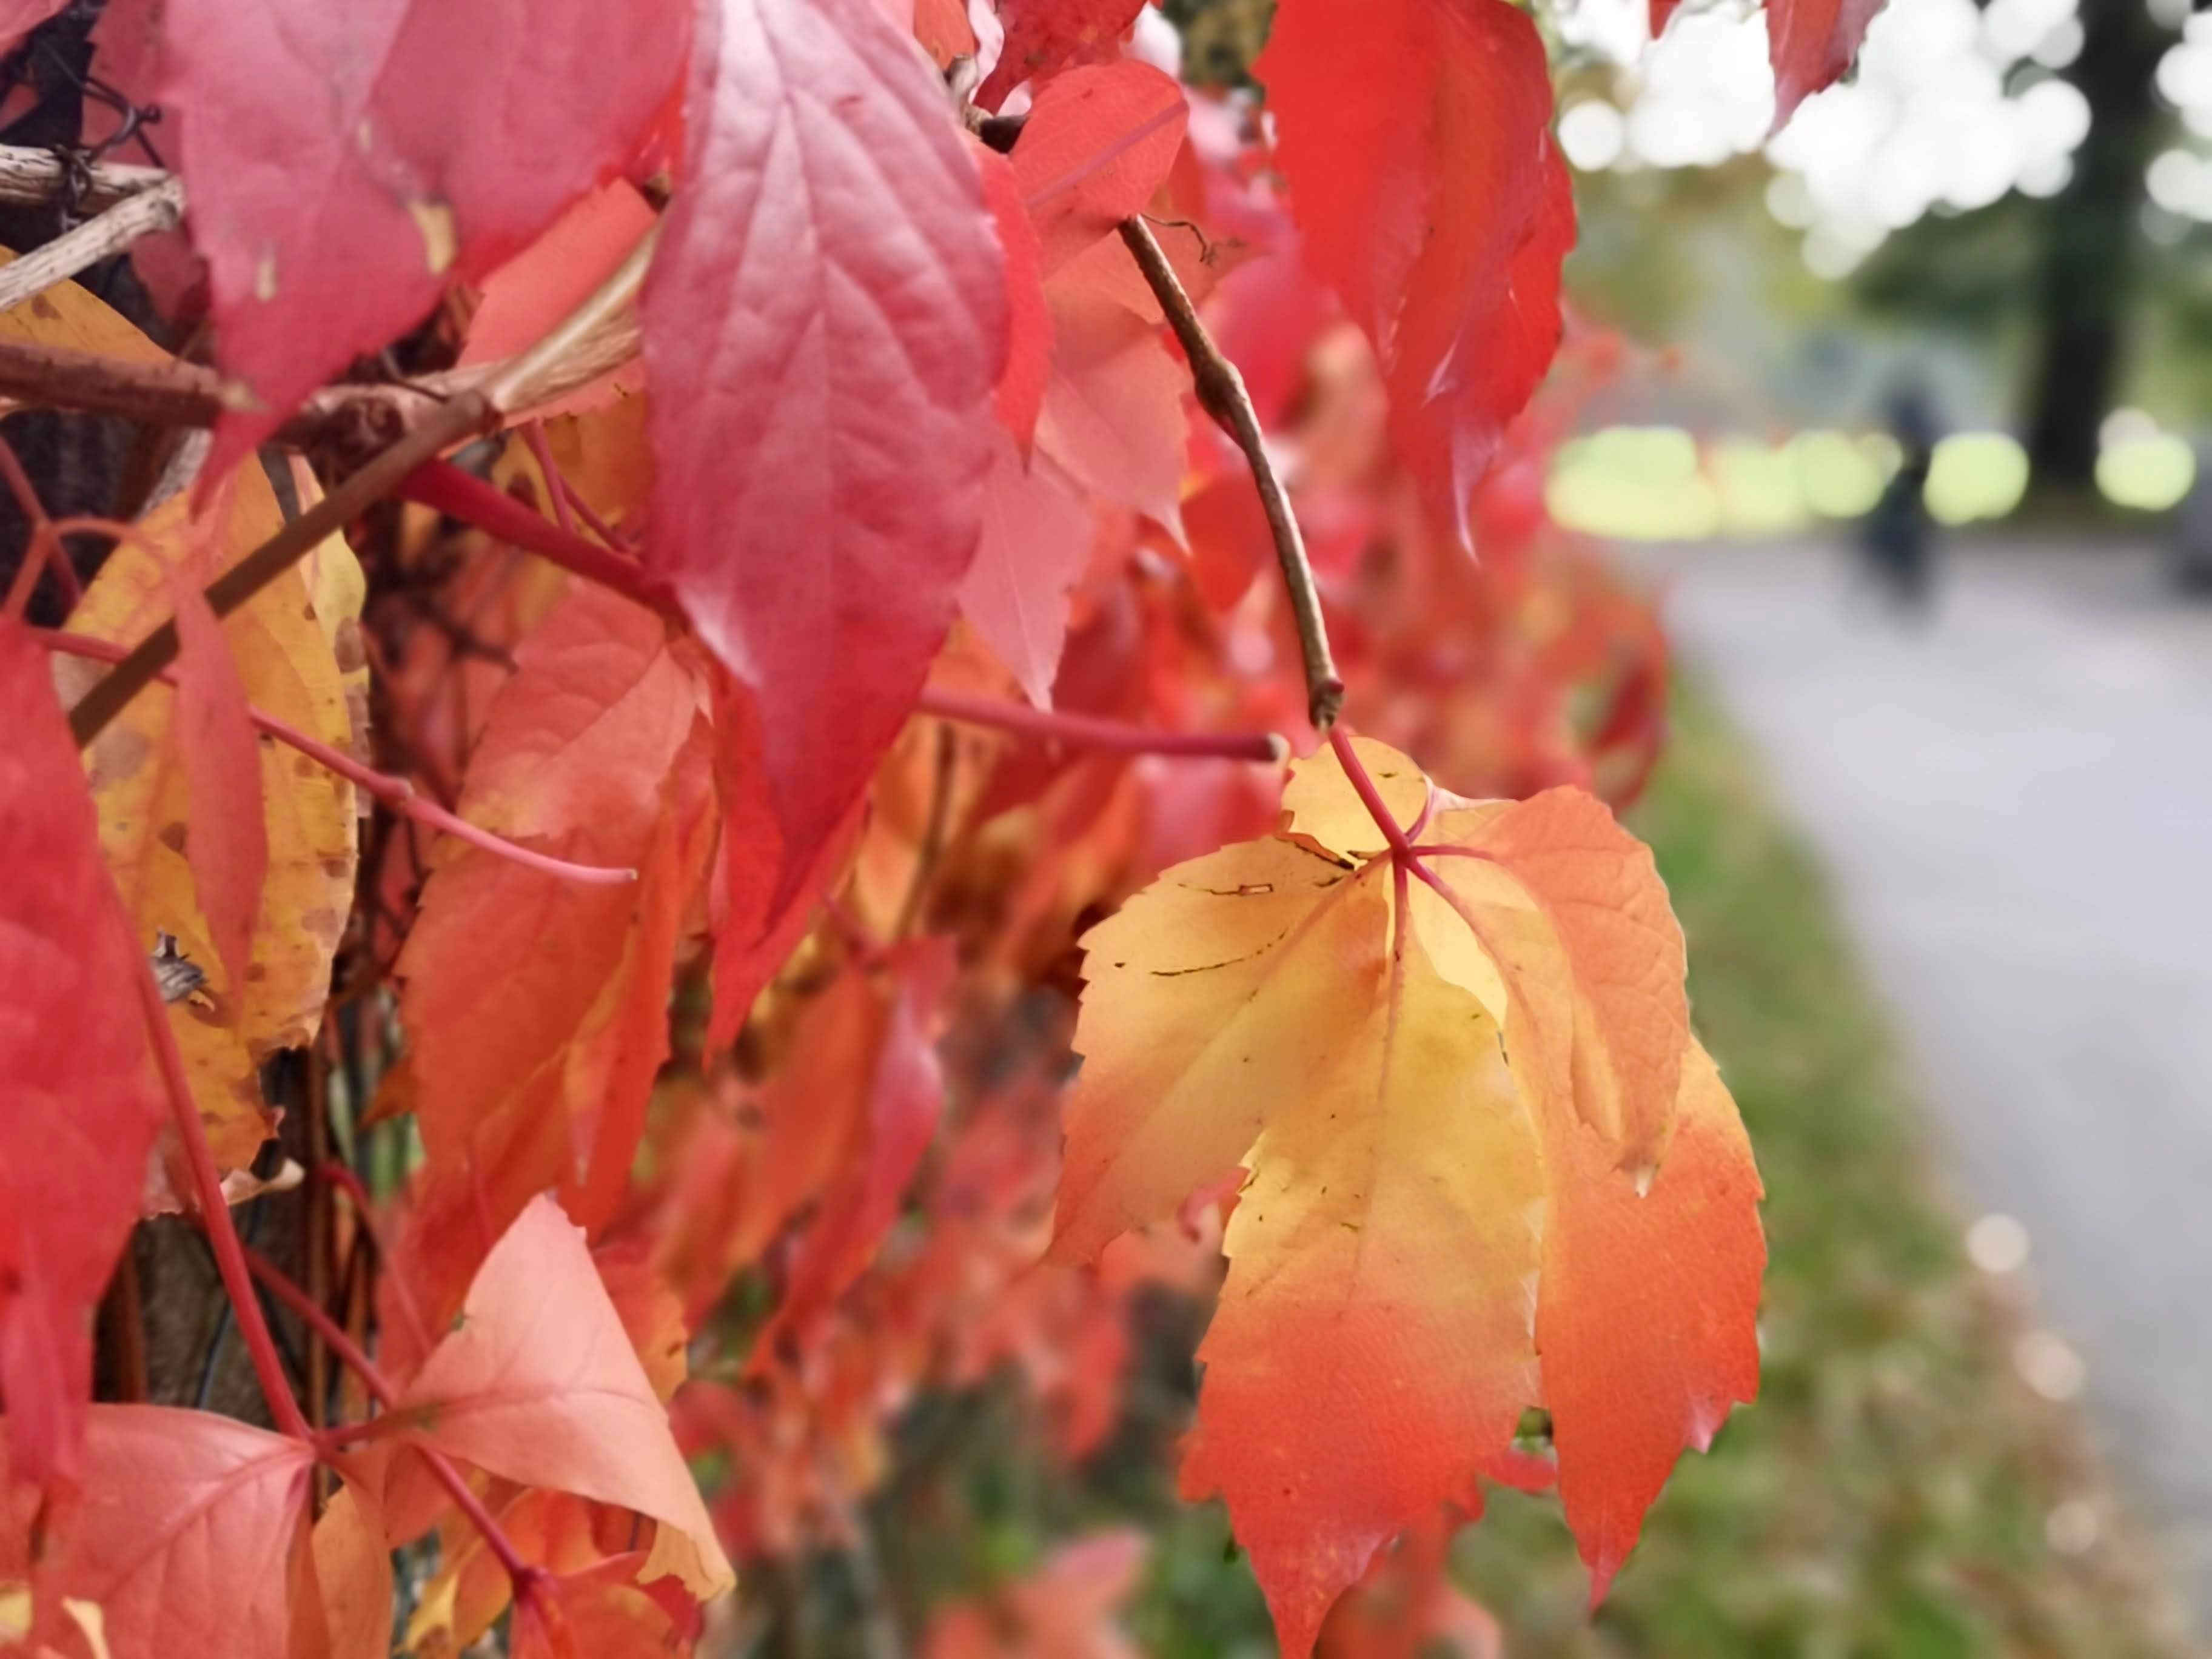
[[1489, 1167]]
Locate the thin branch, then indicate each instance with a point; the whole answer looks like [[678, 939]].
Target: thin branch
[[29, 177], [1221, 391], [933, 834], [343, 417], [314, 1315], [162, 208], [1109, 737], [42, 546], [525, 1578], [396, 793], [556, 488], [465, 496], [342, 1177], [592, 522], [513, 384]]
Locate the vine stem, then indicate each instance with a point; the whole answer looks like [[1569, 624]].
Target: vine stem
[[463, 495], [1401, 850], [341, 1176], [479, 409], [525, 1577], [1222, 394], [557, 487], [397, 793], [1111, 737], [214, 1210], [41, 549]]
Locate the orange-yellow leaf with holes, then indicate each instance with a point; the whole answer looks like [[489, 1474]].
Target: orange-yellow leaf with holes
[[286, 667], [1448, 1075]]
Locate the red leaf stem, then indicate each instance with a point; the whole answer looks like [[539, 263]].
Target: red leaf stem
[[463, 495], [396, 793], [311, 1313]]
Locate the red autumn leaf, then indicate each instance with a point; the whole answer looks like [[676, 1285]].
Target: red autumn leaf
[[346, 163], [1037, 543], [526, 298], [1433, 1064], [823, 327], [602, 1612], [1610, 1033], [1644, 1342], [1113, 418], [650, 1310], [759, 913], [1042, 35], [1099, 142], [839, 1127], [19, 17], [1407, 1607], [77, 1110], [192, 1534], [1415, 139], [550, 1530], [537, 1006], [538, 1383], [1029, 325], [1064, 1610], [227, 842], [942, 29], [1811, 43], [890, 1097]]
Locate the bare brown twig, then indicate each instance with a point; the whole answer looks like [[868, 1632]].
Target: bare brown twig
[[29, 177], [338, 416], [161, 208], [1221, 391]]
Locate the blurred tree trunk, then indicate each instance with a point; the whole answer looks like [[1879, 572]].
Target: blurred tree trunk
[[2093, 244]]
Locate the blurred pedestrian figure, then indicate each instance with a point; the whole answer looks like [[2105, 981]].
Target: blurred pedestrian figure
[[2189, 538], [1896, 537]]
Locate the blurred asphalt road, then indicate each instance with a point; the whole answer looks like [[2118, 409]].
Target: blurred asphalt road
[[2015, 803]]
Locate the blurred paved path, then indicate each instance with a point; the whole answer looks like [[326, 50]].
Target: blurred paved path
[[2015, 803]]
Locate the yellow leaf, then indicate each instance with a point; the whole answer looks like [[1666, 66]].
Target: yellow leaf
[[70, 315], [337, 589], [285, 662], [1447, 1071]]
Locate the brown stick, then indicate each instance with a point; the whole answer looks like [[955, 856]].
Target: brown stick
[[1221, 391], [185, 394], [29, 177], [162, 208]]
